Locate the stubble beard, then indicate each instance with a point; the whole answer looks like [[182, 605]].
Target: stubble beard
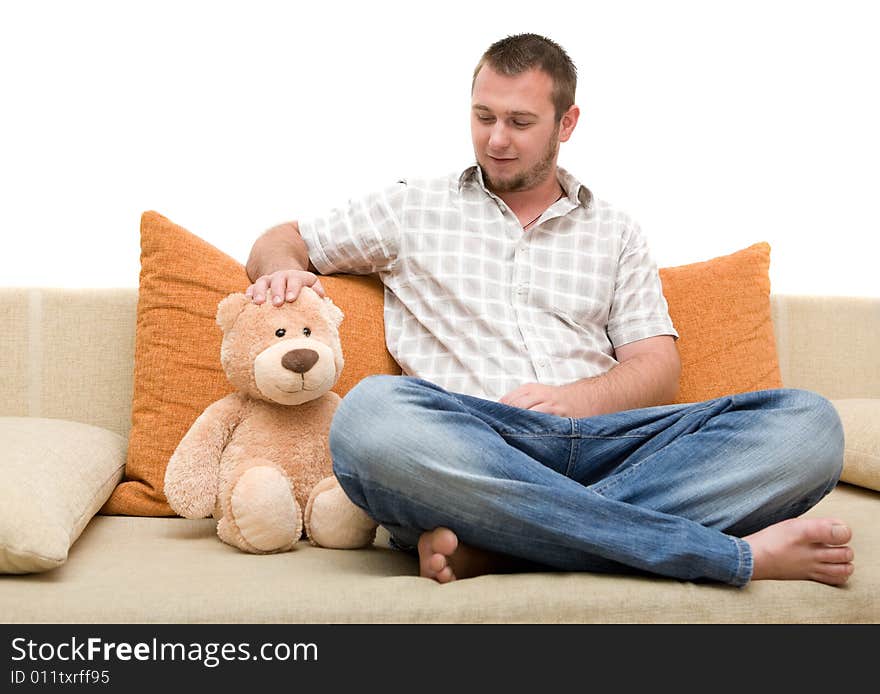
[[526, 180]]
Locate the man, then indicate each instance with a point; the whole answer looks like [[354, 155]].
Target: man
[[531, 426]]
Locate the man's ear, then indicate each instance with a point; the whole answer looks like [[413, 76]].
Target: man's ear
[[229, 309], [568, 122]]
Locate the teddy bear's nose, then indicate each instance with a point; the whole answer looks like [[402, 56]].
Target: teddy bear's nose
[[299, 360]]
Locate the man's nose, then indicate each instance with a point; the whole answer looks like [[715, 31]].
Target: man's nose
[[498, 137]]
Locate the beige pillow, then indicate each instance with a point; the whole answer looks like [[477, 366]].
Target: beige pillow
[[861, 430], [54, 476]]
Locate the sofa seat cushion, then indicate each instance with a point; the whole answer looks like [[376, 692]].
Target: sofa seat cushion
[[173, 570], [54, 476], [861, 460]]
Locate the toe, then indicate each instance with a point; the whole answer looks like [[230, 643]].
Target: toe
[[445, 575], [840, 533], [834, 574], [828, 531], [444, 541], [436, 563], [836, 555]]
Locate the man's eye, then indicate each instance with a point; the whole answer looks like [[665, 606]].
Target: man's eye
[[485, 119], [521, 124]]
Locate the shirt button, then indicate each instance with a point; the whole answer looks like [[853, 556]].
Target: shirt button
[[542, 363], [521, 289]]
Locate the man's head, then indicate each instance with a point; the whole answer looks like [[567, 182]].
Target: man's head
[[522, 108], [517, 54]]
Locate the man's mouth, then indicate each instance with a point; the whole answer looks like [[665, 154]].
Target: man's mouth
[[502, 161]]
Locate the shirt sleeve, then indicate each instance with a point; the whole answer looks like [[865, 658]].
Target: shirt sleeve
[[360, 238], [638, 309]]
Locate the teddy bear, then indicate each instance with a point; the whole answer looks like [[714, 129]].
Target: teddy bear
[[258, 460]]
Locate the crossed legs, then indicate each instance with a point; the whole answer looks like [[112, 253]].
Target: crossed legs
[[706, 491], [799, 548]]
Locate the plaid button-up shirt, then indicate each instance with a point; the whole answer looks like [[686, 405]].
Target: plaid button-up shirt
[[478, 306]]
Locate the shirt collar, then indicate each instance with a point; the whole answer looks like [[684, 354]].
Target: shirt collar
[[576, 191]]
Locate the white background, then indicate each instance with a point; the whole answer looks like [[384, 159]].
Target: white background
[[715, 125]]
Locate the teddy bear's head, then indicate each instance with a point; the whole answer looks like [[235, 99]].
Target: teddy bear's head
[[288, 354]]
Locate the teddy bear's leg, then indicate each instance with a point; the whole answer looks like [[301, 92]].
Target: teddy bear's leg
[[333, 521], [260, 512], [227, 532]]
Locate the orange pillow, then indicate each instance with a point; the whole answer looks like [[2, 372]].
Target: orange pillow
[[177, 371], [721, 310]]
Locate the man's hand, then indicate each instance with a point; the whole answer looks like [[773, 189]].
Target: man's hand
[[279, 266], [646, 374], [283, 285], [558, 400]]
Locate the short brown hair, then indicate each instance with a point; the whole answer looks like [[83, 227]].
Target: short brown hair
[[522, 52]]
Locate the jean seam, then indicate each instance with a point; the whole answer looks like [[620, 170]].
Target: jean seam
[[745, 565], [513, 435], [504, 432], [470, 518], [572, 451], [609, 483]]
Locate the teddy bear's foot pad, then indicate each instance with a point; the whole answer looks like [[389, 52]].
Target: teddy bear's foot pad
[[333, 521], [265, 509]]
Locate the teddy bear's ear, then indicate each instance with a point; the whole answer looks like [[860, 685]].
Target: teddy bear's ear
[[333, 312], [229, 309]]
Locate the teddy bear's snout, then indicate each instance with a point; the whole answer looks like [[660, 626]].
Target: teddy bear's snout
[[299, 360]]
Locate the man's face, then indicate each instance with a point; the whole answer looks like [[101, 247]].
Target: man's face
[[514, 129]]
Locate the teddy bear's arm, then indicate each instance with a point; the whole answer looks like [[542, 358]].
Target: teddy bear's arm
[[192, 475]]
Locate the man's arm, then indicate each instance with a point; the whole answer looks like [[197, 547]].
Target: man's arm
[[279, 266], [646, 375]]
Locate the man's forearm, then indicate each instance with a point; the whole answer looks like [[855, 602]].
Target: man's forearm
[[646, 374], [279, 248], [643, 381], [279, 266]]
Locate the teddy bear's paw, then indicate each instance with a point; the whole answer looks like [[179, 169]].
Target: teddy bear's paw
[[333, 521], [227, 532], [264, 509]]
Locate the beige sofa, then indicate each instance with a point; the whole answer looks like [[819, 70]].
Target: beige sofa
[[68, 354]]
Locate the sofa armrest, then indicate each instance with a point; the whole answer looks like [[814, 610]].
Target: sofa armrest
[[829, 344], [861, 454]]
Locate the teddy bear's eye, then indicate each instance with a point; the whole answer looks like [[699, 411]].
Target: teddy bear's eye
[[281, 332], [307, 332]]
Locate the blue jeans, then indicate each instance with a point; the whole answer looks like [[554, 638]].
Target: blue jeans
[[667, 490]]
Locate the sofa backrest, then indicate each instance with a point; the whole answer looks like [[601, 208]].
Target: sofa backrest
[[69, 353], [828, 344]]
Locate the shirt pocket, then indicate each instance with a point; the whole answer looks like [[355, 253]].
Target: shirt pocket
[[582, 301]]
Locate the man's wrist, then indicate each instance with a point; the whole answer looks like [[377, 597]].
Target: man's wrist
[[580, 396]]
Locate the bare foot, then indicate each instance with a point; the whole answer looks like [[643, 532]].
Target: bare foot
[[443, 558], [803, 549]]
